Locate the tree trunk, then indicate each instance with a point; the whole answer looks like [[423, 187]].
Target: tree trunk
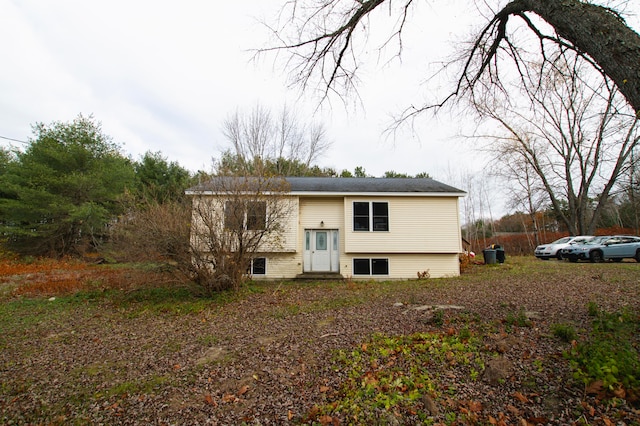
[[597, 32]]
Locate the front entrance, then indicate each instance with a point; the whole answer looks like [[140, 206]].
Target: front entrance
[[321, 250]]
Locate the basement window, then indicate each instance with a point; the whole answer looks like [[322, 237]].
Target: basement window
[[370, 266], [258, 266]]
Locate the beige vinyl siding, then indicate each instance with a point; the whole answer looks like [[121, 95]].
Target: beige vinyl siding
[[406, 266], [281, 265], [288, 239], [315, 211], [416, 225]]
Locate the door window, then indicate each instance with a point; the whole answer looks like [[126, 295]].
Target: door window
[[321, 240]]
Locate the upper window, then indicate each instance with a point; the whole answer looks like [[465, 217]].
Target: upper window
[[250, 215], [370, 216]]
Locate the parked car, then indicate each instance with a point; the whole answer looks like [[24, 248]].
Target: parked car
[[548, 251], [580, 251], [599, 249]]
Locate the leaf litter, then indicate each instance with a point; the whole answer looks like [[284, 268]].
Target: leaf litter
[[272, 355]]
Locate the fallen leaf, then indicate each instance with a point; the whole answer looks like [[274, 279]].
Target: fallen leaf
[[520, 397], [208, 399], [607, 422], [620, 393], [325, 420], [513, 410], [229, 398], [475, 406], [324, 389], [313, 412], [538, 420], [594, 388]]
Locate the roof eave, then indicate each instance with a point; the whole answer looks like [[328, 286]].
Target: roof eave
[[349, 194]]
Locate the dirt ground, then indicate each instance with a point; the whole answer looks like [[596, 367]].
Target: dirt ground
[[268, 356]]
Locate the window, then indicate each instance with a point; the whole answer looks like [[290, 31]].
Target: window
[[360, 216], [379, 266], [380, 216], [370, 266], [250, 215], [370, 216], [258, 266], [233, 215], [256, 215]]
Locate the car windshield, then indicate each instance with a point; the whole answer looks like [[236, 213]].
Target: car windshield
[[562, 240], [594, 241]]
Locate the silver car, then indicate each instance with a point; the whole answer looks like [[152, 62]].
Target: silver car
[[553, 250], [599, 249]]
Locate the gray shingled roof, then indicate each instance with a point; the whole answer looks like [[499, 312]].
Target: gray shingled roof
[[312, 184], [350, 185]]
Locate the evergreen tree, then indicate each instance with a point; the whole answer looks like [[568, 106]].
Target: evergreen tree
[[60, 194], [159, 180]]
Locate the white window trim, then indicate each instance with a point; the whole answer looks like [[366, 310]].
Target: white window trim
[[370, 259], [371, 224], [265, 266]]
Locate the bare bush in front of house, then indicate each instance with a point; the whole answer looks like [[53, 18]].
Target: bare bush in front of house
[[153, 232], [234, 219], [212, 240]]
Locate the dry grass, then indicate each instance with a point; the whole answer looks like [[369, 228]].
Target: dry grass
[[49, 277]]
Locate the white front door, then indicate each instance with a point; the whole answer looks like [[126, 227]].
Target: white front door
[[321, 252]]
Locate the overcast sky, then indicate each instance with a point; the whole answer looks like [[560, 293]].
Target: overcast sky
[[163, 75]]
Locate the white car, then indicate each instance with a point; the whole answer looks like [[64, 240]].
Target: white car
[[553, 250]]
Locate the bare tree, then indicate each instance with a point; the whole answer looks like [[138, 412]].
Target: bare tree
[[234, 220], [283, 140], [153, 231], [573, 130], [524, 190], [324, 40]]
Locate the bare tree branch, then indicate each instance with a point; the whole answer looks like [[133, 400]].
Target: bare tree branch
[[322, 42]]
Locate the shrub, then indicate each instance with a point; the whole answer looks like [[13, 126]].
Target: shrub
[[608, 355], [564, 332]]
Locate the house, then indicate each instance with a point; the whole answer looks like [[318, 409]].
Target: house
[[362, 228]]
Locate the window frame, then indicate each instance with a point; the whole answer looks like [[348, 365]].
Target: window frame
[[251, 268], [371, 261], [250, 220], [376, 218]]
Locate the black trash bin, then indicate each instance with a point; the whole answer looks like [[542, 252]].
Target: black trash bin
[[489, 256], [493, 254]]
